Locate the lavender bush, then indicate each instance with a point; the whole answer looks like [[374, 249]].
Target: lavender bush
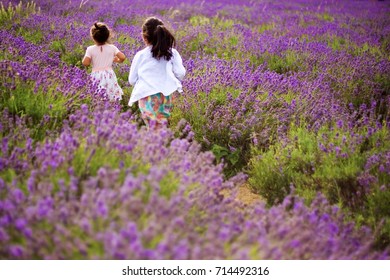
[[105, 189], [31, 85], [294, 94]]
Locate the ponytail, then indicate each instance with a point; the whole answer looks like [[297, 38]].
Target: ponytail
[[159, 37], [162, 43]]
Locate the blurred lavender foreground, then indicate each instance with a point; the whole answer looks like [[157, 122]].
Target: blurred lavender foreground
[[290, 97]]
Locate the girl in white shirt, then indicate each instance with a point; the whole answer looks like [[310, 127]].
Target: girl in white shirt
[[156, 73], [101, 56]]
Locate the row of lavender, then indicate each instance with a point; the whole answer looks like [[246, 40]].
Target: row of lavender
[[262, 88], [301, 93], [155, 197]]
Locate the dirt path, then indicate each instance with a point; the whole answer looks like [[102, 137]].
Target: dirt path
[[245, 195]]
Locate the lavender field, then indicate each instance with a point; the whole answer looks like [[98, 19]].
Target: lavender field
[[290, 99]]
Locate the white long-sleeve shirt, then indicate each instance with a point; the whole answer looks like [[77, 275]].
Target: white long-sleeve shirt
[[149, 75]]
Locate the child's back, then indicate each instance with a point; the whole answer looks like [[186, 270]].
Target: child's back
[[155, 75], [102, 57]]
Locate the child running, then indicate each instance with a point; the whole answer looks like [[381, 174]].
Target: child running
[[156, 73], [101, 56]]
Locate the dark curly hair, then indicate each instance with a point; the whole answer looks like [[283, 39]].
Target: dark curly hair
[[100, 32]]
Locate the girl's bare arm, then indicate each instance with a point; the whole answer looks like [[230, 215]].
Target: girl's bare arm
[[86, 61], [119, 58]]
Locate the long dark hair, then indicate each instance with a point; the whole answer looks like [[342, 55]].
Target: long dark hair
[[100, 32], [159, 37]]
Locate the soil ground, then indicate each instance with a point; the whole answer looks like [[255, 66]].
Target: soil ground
[[245, 195]]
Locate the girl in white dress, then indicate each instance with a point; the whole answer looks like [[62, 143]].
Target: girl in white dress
[[102, 55]]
